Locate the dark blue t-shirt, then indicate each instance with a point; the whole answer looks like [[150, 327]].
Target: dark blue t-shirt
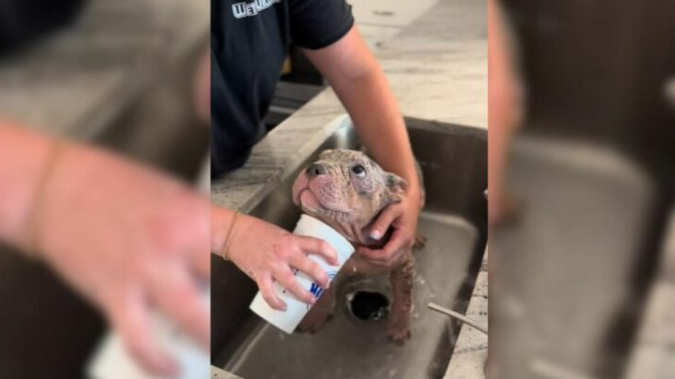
[[249, 42]]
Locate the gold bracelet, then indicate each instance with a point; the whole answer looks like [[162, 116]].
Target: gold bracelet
[[34, 224], [228, 242]]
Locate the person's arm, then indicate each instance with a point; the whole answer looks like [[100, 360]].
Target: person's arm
[[24, 160], [354, 74], [362, 87], [505, 112], [122, 235]]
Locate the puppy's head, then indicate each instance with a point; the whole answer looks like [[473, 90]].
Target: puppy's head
[[347, 190]]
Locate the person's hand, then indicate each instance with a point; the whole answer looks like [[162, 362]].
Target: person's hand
[[267, 253], [506, 110], [129, 240], [402, 218]]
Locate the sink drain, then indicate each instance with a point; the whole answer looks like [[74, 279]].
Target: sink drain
[[369, 306]]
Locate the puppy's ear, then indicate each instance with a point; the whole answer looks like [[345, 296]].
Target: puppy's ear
[[395, 183], [395, 188]]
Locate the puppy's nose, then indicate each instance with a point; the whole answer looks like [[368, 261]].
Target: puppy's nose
[[315, 169]]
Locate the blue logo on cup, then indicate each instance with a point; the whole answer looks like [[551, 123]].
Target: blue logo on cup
[[317, 290]]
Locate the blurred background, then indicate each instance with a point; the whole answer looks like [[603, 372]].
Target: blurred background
[[582, 144], [118, 74]]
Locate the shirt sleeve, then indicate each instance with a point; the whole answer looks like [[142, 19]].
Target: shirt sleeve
[[315, 24]]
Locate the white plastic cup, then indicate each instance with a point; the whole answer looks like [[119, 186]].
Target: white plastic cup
[[289, 319], [112, 360]]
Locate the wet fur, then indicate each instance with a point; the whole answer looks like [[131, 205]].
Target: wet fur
[[401, 272]]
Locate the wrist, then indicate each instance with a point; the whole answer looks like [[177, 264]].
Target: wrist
[[33, 226], [24, 157], [36, 217], [235, 239], [220, 220], [414, 193], [226, 227]]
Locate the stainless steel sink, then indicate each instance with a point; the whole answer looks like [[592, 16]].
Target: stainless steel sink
[[353, 344], [580, 256]]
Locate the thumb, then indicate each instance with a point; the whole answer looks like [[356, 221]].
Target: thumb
[[383, 222]]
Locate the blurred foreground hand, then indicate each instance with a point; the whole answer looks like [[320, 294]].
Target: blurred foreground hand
[[126, 237], [505, 111]]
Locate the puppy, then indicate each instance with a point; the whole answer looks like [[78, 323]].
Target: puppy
[[347, 190]]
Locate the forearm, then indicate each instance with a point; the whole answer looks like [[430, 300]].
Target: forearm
[[221, 220], [25, 157], [379, 124], [359, 82], [505, 96]]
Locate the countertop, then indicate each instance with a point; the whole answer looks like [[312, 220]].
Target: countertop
[[654, 356], [76, 82], [471, 349]]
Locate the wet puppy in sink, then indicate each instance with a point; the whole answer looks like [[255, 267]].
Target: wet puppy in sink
[[347, 190]]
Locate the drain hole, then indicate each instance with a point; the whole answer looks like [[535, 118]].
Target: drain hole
[[369, 306]]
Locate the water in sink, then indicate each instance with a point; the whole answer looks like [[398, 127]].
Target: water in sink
[[454, 164], [350, 348]]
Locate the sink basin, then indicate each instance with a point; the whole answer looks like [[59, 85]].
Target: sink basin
[[581, 255], [354, 343]]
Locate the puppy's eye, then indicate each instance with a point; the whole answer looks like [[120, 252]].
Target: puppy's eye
[[359, 170]]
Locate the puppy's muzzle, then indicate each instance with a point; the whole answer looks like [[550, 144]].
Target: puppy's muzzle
[[315, 169]]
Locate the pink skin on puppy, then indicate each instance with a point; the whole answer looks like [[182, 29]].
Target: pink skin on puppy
[[347, 190]]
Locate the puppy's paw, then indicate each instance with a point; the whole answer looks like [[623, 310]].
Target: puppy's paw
[[420, 242], [398, 336], [506, 211], [399, 330], [314, 320]]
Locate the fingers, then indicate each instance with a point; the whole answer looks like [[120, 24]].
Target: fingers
[[390, 252], [311, 269], [377, 256], [285, 277], [384, 221], [266, 288], [319, 247], [130, 318], [173, 290]]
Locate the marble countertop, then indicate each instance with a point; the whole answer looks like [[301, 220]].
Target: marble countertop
[[77, 81], [653, 356], [471, 349]]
